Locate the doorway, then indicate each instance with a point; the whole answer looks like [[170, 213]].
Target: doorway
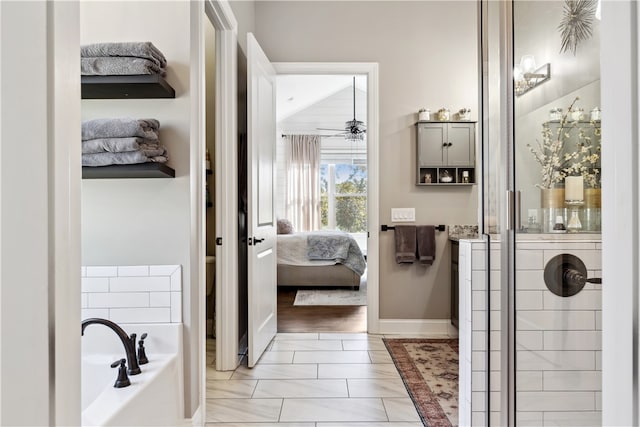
[[321, 164]]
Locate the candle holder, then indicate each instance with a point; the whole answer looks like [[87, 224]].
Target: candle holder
[[574, 225]]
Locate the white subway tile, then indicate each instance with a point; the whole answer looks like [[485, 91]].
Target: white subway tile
[[102, 313], [495, 420], [479, 342], [94, 284], [133, 270], [478, 261], [592, 259], [176, 307], [494, 360], [529, 300], [555, 360], [494, 401], [528, 419], [495, 317], [118, 299], [572, 340], [555, 401], [529, 340], [139, 284], [529, 381], [479, 320], [599, 320], [176, 280], [84, 300], [478, 381], [583, 300], [555, 320], [495, 302], [478, 418], [573, 419], [529, 259], [102, 271], [495, 261], [478, 400], [478, 280], [160, 299], [479, 300], [478, 361], [162, 270], [494, 279], [598, 398], [140, 315], [530, 280], [495, 340], [495, 381], [573, 380], [83, 271], [599, 360]]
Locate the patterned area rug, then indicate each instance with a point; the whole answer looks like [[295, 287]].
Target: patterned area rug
[[429, 369]]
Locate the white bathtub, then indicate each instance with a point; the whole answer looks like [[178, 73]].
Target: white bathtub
[[154, 398]]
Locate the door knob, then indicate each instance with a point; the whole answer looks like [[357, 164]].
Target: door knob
[[256, 240]]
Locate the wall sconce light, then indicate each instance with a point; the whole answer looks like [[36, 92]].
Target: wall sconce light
[[526, 75]]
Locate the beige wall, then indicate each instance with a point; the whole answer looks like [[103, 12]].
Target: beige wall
[[146, 221], [427, 53]]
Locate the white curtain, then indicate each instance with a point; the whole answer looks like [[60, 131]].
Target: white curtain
[[303, 181]]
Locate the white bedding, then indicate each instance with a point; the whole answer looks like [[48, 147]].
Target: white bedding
[[292, 250]]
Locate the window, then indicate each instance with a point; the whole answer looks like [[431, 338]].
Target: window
[[343, 196]]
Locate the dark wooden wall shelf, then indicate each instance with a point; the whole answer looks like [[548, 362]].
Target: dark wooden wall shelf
[[141, 170], [126, 87]]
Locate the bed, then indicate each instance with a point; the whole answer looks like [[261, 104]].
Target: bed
[[319, 258]]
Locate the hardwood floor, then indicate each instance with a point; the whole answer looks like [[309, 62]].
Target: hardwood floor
[[321, 318]]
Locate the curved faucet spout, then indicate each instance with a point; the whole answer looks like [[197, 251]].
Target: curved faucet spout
[[129, 343]]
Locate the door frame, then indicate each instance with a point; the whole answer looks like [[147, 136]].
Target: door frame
[[370, 69]]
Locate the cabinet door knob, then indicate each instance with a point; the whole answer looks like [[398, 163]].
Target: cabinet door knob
[[450, 144], [444, 144]]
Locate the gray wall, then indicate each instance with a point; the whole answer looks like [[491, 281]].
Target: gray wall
[[146, 221], [427, 54]]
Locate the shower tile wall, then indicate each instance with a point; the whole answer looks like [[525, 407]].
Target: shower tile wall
[[558, 342], [132, 294]]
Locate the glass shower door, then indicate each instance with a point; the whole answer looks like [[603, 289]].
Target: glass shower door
[[555, 299], [542, 214]]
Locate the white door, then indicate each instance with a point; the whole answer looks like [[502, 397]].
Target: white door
[[261, 217]]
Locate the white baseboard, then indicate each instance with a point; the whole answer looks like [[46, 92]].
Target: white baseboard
[[196, 420], [435, 328]]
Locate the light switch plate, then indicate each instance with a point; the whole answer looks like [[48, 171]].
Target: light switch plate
[[403, 214]]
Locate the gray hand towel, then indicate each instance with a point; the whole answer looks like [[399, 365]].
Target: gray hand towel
[[426, 237], [120, 128], [405, 240], [140, 49], [113, 145], [118, 66]]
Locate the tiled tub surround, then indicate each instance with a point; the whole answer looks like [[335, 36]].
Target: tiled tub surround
[[133, 294], [558, 340]]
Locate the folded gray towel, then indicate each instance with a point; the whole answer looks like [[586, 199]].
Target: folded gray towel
[[405, 240], [118, 66], [426, 240], [113, 145], [140, 49], [124, 158], [120, 128], [153, 150]]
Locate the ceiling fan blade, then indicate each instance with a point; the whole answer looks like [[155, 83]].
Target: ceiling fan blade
[[337, 130]]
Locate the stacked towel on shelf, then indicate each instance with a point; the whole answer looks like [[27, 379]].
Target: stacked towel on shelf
[[124, 58], [121, 141]]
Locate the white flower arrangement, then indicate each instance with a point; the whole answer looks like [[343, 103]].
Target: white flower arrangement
[[557, 164]]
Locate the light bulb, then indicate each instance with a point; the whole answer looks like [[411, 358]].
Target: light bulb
[[527, 64]]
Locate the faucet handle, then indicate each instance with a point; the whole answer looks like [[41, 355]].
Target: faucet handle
[[142, 356], [123, 379]]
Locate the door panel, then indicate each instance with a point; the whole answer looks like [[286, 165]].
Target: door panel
[[431, 151], [261, 268], [462, 139]]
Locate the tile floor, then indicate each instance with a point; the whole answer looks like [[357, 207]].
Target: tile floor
[[312, 380]]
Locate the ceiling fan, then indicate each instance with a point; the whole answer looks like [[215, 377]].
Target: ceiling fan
[[354, 130]]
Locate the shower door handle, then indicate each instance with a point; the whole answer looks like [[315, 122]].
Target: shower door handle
[[518, 211], [513, 210]]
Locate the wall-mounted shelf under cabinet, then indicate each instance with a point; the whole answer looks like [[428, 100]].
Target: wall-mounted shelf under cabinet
[[140, 170], [126, 87]]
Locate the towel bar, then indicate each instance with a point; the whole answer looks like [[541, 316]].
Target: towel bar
[[385, 227]]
